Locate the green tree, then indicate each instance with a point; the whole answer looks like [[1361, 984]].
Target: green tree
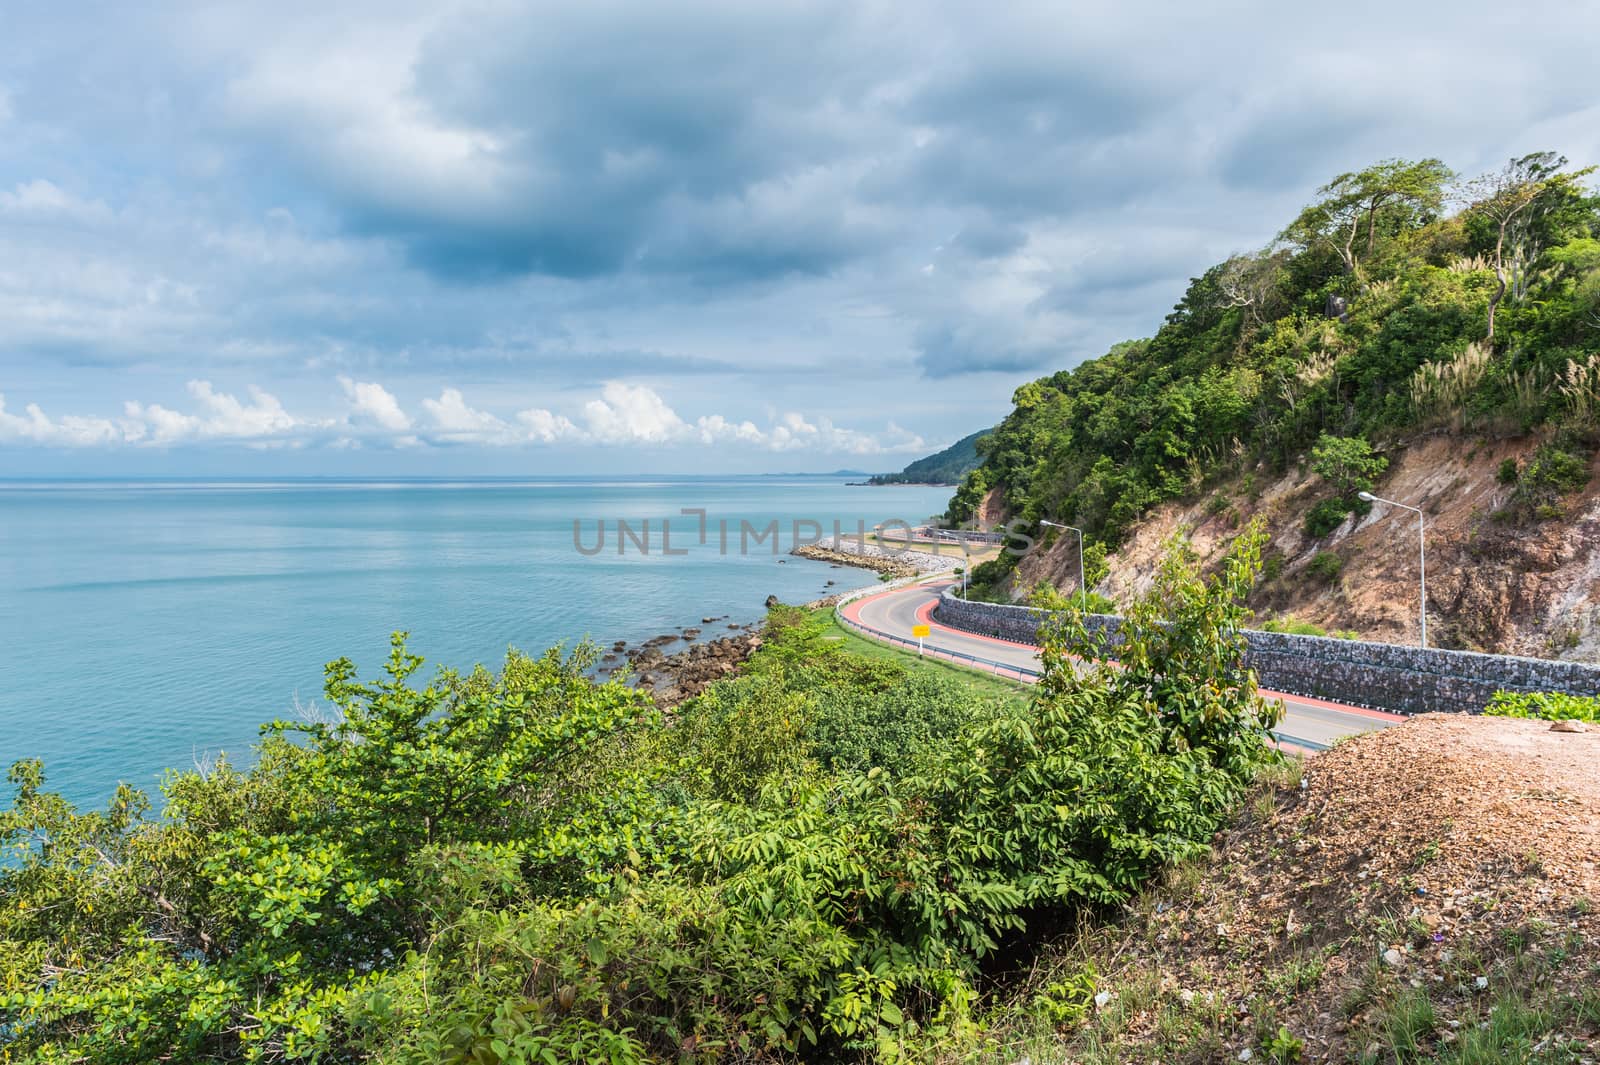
[[1347, 463], [1517, 202], [1351, 207]]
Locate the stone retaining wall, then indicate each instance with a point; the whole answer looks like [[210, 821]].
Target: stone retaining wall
[[1406, 680]]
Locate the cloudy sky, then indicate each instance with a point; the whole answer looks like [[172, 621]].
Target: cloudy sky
[[600, 237]]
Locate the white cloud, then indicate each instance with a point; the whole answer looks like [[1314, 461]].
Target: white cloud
[[635, 414], [371, 403], [35, 427], [41, 197], [715, 429], [623, 415], [794, 433], [632, 414], [222, 417], [547, 428], [456, 422]]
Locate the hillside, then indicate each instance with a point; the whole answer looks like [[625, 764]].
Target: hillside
[[1493, 584], [944, 467], [1424, 893], [1449, 361]]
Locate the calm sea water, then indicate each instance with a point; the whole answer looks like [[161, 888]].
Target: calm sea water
[[144, 623]]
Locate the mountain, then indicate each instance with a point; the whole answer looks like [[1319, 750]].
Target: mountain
[[944, 467], [1449, 361]]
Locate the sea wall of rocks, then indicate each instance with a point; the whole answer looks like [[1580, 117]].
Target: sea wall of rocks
[[1406, 680], [895, 561]]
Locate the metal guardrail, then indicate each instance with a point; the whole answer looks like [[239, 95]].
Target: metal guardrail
[[999, 669], [957, 536], [1020, 673]]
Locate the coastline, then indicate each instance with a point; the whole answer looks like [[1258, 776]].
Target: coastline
[[671, 677]]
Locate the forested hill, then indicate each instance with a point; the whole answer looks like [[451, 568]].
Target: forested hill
[[1380, 313], [945, 467]]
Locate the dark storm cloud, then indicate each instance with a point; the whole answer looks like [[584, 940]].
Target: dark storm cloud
[[693, 141]]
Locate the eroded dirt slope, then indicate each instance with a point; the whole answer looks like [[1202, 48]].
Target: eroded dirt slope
[[1493, 584]]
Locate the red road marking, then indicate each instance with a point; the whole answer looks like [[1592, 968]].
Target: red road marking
[[1343, 708]]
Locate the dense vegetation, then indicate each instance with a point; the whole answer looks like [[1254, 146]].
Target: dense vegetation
[[943, 467], [1376, 315], [1548, 706], [825, 857]]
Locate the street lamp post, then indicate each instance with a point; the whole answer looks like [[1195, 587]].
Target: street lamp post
[[1083, 586], [1422, 554]]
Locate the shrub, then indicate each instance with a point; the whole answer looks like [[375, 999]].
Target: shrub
[[1549, 706], [1507, 473], [1325, 566], [1047, 596], [986, 577], [1326, 516], [1347, 463], [1551, 473], [1292, 626], [1272, 567]]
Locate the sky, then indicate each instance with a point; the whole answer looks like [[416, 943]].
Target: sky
[[454, 238]]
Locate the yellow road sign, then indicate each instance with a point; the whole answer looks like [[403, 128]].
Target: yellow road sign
[[919, 631]]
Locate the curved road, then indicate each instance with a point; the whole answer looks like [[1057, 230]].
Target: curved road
[[1308, 724]]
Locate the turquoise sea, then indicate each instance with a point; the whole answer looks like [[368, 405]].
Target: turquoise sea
[[143, 624]]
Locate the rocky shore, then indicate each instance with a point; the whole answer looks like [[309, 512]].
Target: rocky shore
[[679, 665], [896, 563], [672, 677]]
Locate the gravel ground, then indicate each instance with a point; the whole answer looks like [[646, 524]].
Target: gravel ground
[[1452, 856]]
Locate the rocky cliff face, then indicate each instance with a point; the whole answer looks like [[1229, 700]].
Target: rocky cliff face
[[1493, 584]]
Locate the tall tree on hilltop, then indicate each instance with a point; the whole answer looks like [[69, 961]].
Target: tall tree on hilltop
[[1351, 205], [1517, 201]]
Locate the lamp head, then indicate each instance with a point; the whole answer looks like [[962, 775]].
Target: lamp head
[[1366, 497]]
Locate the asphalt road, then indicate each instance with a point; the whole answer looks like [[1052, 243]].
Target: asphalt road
[[1309, 724]]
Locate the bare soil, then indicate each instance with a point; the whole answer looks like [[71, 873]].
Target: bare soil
[[1454, 858]]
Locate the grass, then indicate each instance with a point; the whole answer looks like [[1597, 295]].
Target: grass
[[1530, 1018]]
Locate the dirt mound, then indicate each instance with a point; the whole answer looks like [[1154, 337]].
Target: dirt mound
[[1433, 885]]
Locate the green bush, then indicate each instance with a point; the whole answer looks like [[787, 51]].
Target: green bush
[[1551, 473], [1347, 463], [1550, 706], [1293, 626], [1326, 516], [1047, 596], [1272, 566], [1507, 474], [1325, 566]]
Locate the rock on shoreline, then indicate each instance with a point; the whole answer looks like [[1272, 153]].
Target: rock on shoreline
[[673, 678], [896, 563]]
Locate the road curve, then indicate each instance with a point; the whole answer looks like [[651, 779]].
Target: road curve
[[1308, 724]]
